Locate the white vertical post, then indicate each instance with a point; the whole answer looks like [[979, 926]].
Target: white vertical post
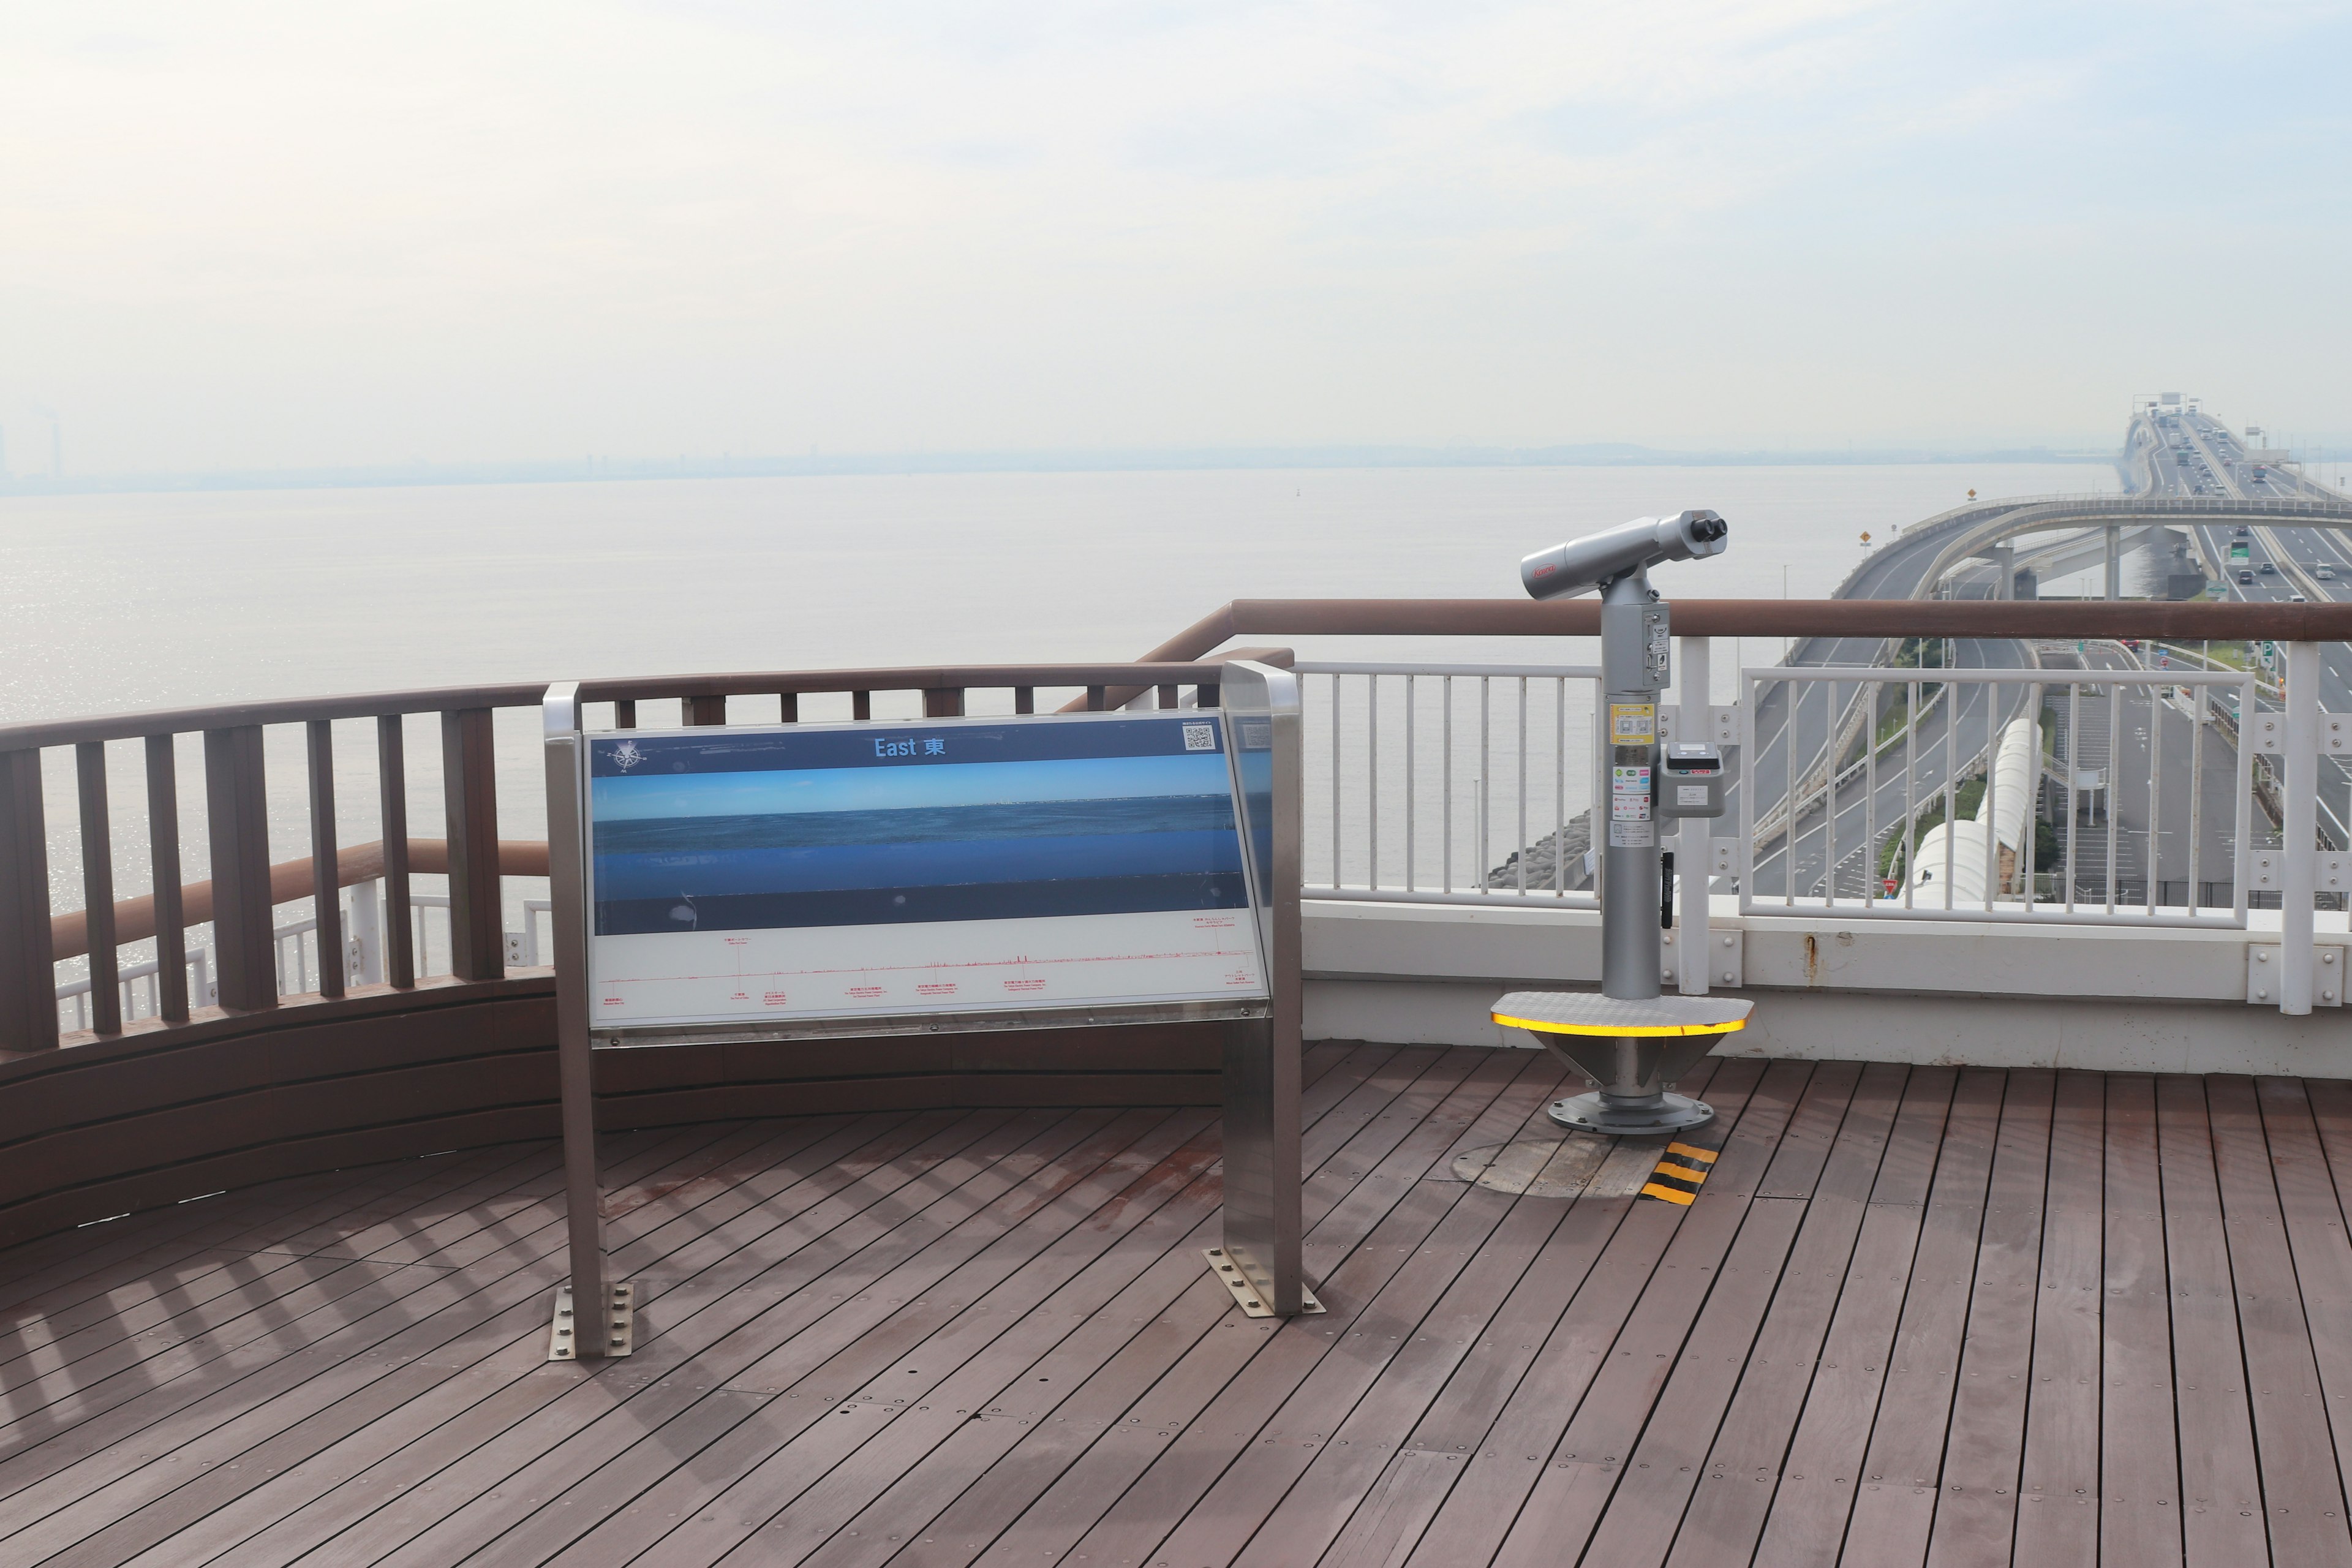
[[2115, 561], [1694, 841], [2300, 837], [367, 934]]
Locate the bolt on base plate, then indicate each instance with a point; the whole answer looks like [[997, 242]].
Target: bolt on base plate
[[1631, 1116], [1234, 1281], [619, 1325]]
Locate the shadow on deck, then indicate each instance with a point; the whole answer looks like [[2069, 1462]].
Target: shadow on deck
[[1979, 1315]]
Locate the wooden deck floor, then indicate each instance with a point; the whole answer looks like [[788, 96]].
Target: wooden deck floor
[[1929, 1315]]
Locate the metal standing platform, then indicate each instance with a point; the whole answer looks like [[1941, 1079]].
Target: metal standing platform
[[1632, 1050]]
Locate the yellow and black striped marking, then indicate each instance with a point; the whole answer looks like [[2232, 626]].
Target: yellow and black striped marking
[[1681, 1171]]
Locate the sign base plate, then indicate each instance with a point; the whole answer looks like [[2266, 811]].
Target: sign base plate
[[619, 1325], [1234, 1279]]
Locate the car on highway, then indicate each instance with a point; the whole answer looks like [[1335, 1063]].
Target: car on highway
[[2325, 573], [2245, 573], [2269, 568], [2241, 531], [2297, 599]]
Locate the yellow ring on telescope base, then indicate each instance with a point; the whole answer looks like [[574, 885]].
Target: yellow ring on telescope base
[[1542, 1028]]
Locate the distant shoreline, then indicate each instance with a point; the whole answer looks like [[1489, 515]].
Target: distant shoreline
[[592, 470]]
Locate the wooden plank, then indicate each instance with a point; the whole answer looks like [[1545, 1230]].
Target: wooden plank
[[2139, 1453], [788, 707], [1884, 1151], [291, 1362], [1318, 1066], [1862, 1468], [701, 710], [236, 813], [2222, 1522], [943, 702], [1727, 1257], [2331, 1111], [1731, 1414], [2315, 1233], [2301, 1496], [1419, 1469], [235, 1507], [392, 804], [1307, 1450], [163, 858], [991, 1361], [128, 1368], [1021, 1461], [1527, 1434], [64, 1269], [478, 943], [815, 1373], [287, 1393], [1331, 1072], [29, 982], [739, 1274], [127, 1511], [703, 1538], [2033, 1315], [326, 891], [98, 889], [1215, 1409], [1022, 1467], [170, 1294], [54, 1339], [1370, 1147]]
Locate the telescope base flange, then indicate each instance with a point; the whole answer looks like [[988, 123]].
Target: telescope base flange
[[1631, 1115]]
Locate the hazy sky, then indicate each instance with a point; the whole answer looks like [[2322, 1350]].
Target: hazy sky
[[295, 234]]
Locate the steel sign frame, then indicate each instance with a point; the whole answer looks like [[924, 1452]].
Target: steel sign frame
[[594, 1314]]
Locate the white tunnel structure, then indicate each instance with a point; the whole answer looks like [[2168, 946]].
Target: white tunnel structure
[[1949, 867]]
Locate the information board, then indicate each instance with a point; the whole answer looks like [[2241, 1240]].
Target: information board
[[747, 876]]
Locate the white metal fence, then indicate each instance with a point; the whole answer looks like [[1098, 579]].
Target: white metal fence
[[2102, 786], [1471, 784], [1429, 783]]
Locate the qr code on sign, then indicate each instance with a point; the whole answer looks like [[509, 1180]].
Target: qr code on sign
[[1200, 737]]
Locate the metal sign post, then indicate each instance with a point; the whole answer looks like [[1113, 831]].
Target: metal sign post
[[1262, 1260], [593, 1315]]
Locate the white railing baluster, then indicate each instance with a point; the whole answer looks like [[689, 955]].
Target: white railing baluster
[[1372, 777]]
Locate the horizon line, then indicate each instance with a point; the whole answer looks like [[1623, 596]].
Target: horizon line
[[596, 470]]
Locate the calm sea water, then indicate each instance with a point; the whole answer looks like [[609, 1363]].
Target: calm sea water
[[113, 603], [135, 601]]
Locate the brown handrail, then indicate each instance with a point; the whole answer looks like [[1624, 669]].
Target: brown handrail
[[631, 689], [134, 919], [2053, 619]]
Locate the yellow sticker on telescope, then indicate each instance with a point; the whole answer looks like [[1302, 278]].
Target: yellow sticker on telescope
[[1632, 724]]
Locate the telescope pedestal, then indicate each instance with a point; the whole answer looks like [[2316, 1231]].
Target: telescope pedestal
[[1630, 1051], [1631, 1115]]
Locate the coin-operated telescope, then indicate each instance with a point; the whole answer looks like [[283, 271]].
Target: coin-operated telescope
[[1631, 1041]]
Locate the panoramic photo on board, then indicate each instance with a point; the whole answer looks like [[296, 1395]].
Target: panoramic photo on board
[[1234, 787]]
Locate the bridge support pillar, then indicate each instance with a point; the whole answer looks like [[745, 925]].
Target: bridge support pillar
[[2115, 561]]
